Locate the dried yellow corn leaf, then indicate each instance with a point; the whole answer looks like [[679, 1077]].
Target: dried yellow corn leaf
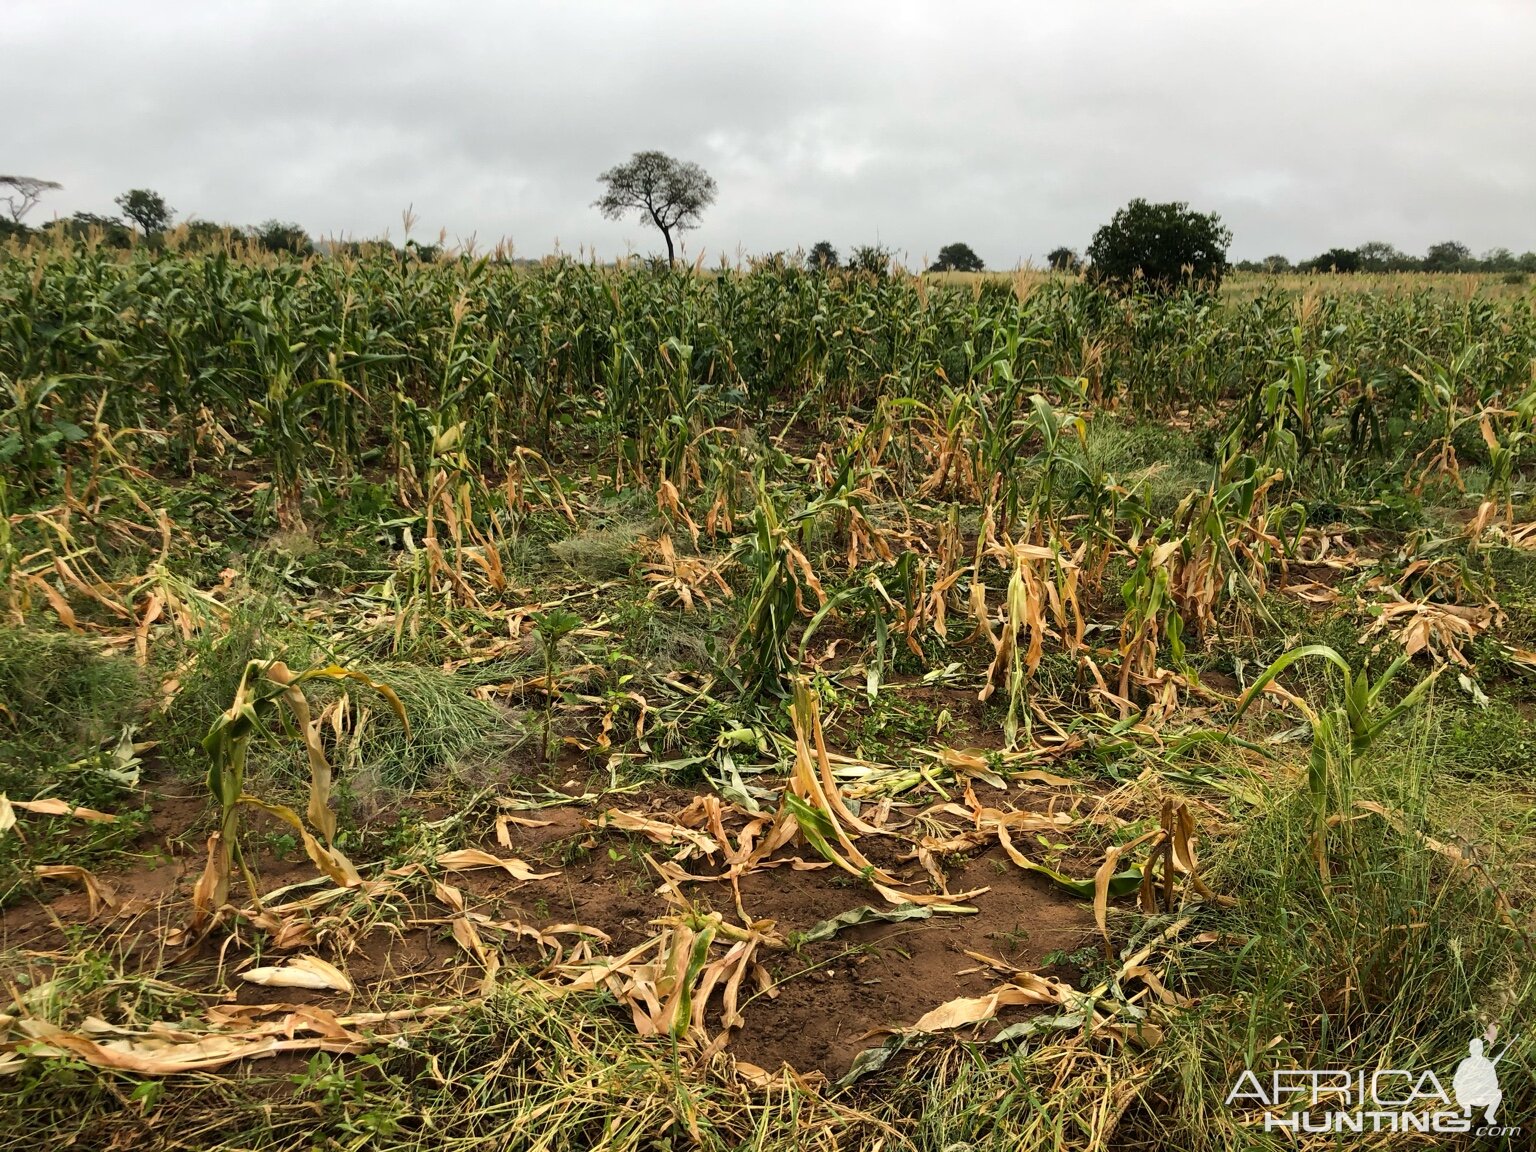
[[56, 807], [468, 859], [1027, 989], [892, 896], [157, 1057], [57, 602], [1106, 873], [658, 831], [97, 891], [301, 972]]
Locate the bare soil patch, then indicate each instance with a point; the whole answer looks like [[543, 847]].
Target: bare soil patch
[[831, 998]]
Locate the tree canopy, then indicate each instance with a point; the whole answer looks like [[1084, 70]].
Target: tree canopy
[[1337, 260], [1379, 256], [1161, 245], [957, 257], [147, 209], [822, 256], [283, 236], [1447, 256], [875, 259], [108, 230], [1064, 259], [24, 193], [668, 193]]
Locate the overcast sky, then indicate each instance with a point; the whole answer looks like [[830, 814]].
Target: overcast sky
[[1012, 126]]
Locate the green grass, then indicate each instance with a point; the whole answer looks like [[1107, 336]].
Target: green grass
[[1394, 962], [1163, 463], [65, 699]]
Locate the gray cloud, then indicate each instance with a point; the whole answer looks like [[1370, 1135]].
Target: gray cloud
[[1014, 127]]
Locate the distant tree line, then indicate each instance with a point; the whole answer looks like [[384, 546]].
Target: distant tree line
[[1145, 247], [1155, 246], [878, 260], [143, 217], [1379, 256]]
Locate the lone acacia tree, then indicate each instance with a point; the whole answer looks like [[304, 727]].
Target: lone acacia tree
[[146, 208], [671, 194], [25, 192]]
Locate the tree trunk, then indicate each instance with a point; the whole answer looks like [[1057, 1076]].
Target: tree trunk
[[666, 233]]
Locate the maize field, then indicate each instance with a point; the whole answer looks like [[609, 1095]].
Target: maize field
[[453, 704]]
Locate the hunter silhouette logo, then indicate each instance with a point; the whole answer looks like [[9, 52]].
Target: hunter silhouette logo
[[1476, 1083], [1349, 1100]]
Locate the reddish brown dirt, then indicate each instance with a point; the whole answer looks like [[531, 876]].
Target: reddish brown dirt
[[834, 997], [155, 867]]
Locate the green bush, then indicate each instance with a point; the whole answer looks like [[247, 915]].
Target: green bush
[[1161, 246]]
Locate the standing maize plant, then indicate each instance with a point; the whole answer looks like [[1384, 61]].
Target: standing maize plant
[[1505, 432], [266, 686], [781, 578], [1042, 592], [1150, 614], [552, 626], [1340, 733]]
